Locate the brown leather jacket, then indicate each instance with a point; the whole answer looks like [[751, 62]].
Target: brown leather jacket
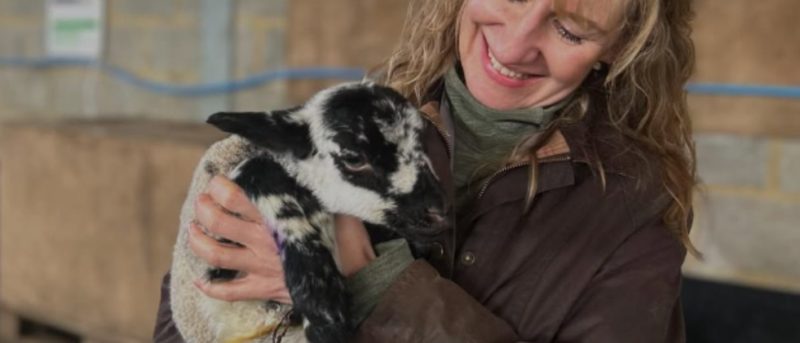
[[583, 265]]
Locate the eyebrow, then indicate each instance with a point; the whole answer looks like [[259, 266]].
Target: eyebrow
[[585, 21]]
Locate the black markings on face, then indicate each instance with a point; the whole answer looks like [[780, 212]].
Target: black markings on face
[[358, 116], [263, 176]]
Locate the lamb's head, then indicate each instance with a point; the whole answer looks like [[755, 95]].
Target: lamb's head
[[357, 147]]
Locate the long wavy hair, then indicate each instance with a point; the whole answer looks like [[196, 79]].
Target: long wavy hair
[[642, 88]]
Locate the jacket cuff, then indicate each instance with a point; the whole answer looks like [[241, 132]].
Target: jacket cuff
[[422, 306], [368, 285]]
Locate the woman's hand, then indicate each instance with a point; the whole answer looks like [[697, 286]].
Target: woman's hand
[[225, 211], [353, 244]]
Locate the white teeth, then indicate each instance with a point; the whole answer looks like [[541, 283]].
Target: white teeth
[[505, 71]]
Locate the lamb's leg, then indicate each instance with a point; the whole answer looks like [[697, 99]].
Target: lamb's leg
[[318, 290]]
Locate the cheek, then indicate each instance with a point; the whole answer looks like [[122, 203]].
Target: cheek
[[571, 67], [466, 29], [474, 13]]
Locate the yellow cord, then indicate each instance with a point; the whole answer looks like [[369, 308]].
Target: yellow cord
[[261, 332]]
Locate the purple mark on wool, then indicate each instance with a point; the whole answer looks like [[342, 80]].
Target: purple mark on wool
[[278, 240], [276, 234]]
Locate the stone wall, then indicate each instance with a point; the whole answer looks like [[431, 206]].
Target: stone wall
[[161, 41], [88, 210], [748, 212], [154, 40]]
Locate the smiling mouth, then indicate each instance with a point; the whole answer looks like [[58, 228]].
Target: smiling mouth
[[503, 70]]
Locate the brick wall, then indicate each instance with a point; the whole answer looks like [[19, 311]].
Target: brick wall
[[161, 41], [748, 222]]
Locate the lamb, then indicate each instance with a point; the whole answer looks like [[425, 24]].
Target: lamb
[[353, 149]]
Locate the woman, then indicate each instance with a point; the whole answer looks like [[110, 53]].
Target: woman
[[560, 128]]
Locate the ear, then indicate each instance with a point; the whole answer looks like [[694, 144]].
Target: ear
[[277, 131]]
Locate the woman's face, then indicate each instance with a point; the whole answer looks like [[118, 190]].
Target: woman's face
[[518, 54]]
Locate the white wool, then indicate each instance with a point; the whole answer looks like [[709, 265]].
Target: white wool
[[195, 314], [203, 319]]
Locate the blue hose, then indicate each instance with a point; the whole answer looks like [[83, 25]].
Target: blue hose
[[199, 90], [315, 73]]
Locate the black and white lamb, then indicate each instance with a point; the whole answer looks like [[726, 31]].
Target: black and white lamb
[[352, 149]]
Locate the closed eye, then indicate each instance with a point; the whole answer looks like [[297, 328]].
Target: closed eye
[[566, 34]]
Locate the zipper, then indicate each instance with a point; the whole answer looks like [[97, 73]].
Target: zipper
[[549, 159]]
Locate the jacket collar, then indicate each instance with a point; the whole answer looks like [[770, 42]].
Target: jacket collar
[[439, 115], [591, 141]]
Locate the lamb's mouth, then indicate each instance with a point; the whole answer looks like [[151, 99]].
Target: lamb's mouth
[[425, 232]]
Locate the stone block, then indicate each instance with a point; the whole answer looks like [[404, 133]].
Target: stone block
[[732, 160], [149, 7], [73, 91], [23, 7], [790, 166], [259, 50], [747, 239], [24, 95], [90, 214], [26, 41], [262, 8]]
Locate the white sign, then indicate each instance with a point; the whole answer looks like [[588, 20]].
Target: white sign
[[75, 28]]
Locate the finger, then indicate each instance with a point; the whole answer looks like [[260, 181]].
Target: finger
[[223, 224], [351, 234], [246, 289], [231, 197], [219, 254], [354, 250]]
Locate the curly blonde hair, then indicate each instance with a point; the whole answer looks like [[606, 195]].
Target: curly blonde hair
[[643, 88]]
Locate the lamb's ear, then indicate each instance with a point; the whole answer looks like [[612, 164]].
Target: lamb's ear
[[275, 130]]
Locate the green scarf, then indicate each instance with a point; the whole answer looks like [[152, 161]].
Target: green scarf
[[484, 137]]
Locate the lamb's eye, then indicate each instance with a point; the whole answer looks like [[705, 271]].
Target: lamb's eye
[[355, 162]]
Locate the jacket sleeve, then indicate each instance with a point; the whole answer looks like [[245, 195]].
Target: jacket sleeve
[[635, 297], [421, 306], [165, 330]]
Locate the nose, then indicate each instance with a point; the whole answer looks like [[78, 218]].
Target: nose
[[524, 34]]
